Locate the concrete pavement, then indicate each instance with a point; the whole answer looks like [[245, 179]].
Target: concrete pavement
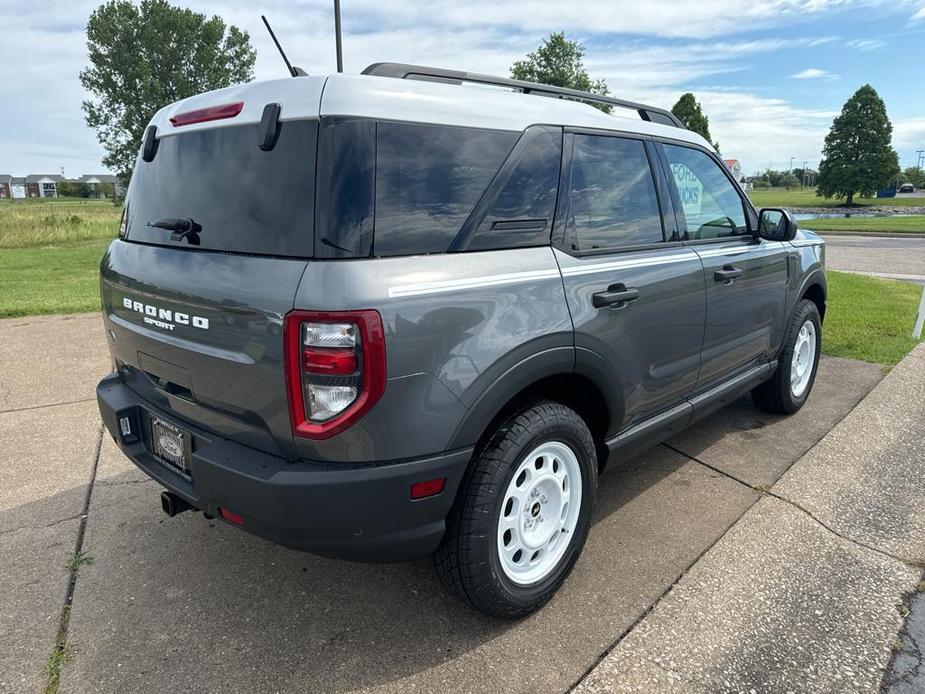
[[189, 604], [49, 437], [804, 593], [894, 258]]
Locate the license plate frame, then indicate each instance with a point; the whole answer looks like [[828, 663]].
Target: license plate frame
[[172, 447]]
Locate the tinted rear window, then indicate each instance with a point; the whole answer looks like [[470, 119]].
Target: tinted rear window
[[428, 180], [245, 199]]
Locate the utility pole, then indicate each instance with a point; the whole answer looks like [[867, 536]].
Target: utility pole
[[790, 168], [803, 176], [337, 39], [920, 155]]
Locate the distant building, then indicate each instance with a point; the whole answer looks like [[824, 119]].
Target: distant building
[[43, 185], [47, 186], [735, 168], [94, 181]]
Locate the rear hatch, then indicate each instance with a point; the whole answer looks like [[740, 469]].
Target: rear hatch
[[215, 237]]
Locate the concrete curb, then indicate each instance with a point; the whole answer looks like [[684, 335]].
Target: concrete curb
[[877, 234], [801, 593]]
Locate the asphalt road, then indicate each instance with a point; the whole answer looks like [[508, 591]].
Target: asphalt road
[[899, 258]]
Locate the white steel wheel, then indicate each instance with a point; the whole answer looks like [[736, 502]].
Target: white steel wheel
[[539, 513], [804, 356]]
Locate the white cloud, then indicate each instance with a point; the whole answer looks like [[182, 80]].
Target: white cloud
[[866, 45], [663, 47], [814, 73], [908, 137]]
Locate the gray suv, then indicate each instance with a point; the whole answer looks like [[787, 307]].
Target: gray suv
[[416, 312]]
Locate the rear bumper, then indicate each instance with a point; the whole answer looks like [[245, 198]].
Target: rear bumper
[[360, 512]]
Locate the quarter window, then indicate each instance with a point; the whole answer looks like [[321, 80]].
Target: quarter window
[[428, 180], [711, 205], [612, 200]]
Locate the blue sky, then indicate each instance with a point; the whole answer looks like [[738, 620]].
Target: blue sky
[[771, 74]]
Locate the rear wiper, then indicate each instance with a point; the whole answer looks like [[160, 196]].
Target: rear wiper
[[181, 228]]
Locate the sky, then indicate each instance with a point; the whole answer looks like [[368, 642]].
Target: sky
[[770, 74]]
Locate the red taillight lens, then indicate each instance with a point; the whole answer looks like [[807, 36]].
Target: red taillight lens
[[422, 490], [327, 360], [202, 115], [335, 369]]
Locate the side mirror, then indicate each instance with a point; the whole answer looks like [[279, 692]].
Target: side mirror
[[775, 224]]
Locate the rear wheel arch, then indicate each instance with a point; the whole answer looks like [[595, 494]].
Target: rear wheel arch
[[578, 391]]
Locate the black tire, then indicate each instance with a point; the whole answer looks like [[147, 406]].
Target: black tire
[[776, 394], [468, 561]]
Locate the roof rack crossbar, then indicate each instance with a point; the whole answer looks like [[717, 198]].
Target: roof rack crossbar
[[434, 74]]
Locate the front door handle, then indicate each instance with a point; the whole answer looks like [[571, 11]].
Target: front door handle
[[616, 296], [728, 273]]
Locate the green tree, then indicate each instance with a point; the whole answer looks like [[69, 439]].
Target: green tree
[[690, 113], [788, 181], [914, 175], [858, 156], [558, 62], [143, 57]]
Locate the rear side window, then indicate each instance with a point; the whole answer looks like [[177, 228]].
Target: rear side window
[[612, 200], [428, 180], [244, 199]]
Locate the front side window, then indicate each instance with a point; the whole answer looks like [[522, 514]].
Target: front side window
[[612, 201], [711, 204]]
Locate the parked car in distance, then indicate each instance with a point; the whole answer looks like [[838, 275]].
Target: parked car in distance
[[385, 316], [907, 188]]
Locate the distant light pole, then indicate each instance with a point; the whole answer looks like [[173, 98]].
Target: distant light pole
[[790, 168], [803, 177]]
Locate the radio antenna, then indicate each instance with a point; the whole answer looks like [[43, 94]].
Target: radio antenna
[[292, 70]]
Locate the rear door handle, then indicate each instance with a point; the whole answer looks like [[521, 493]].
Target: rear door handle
[[728, 273], [616, 296]]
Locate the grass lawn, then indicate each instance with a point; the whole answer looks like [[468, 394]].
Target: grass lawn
[[50, 254], [907, 223], [869, 318], [781, 197], [32, 223], [54, 279]]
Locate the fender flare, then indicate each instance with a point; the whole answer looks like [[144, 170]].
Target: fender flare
[[817, 277], [487, 405], [556, 361]]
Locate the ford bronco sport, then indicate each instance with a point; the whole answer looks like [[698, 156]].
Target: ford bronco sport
[[416, 311]]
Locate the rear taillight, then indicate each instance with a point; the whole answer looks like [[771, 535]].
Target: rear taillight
[[335, 369]]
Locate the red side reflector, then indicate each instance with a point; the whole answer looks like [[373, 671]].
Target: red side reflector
[[327, 360], [201, 115], [231, 516], [420, 490]]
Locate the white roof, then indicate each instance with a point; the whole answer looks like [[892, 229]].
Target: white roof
[[408, 100]]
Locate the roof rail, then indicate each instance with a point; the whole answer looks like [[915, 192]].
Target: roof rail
[[435, 74]]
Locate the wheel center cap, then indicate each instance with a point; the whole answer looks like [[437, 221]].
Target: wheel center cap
[[535, 509]]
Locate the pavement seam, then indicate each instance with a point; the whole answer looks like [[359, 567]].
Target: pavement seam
[[51, 404], [60, 646], [767, 492]]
